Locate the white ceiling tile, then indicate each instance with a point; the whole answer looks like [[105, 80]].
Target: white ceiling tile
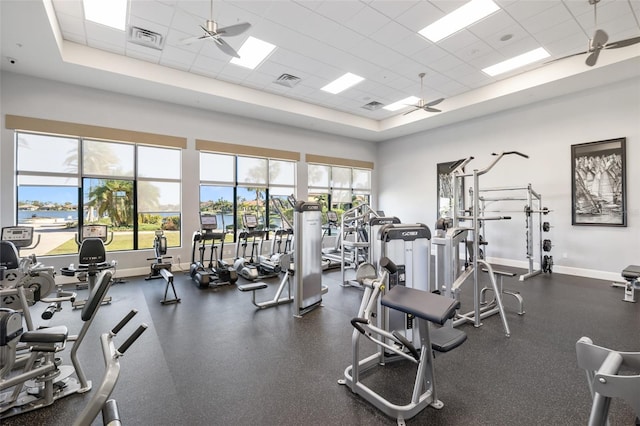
[[445, 64], [104, 34], [177, 57], [458, 41], [474, 51], [339, 11], [524, 9], [288, 14], [69, 7], [430, 54], [367, 21], [448, 6], [492, 24], [419, 16], [519, 47], [558, 32], [392, 8], [548, 18], [257, 7], [71, 24], [391, 34], [152, 11]]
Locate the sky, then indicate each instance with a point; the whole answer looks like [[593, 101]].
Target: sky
[[53, 194]]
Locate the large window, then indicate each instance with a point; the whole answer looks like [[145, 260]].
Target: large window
[[64, 183], [232, 186], [339, 188]]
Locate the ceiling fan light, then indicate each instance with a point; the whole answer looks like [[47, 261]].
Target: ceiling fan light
[[402, 103], [516, 62], [343, 83], [253, 52], [112, 13], [460, 18]]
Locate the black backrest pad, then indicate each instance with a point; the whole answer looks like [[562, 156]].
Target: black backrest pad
[[92, 251], [96, 296], [422, 304], [9, 255]]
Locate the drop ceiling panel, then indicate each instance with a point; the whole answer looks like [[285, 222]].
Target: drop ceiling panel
[[339, 11], [391, 8], [419, 16]]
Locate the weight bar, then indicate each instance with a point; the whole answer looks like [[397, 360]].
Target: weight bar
[[546, 245], [546, 226], [528, 210]]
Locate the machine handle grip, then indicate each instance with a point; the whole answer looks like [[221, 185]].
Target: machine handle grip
[[512, 152], [48, 313], [388, 264], [124, 321], [355, 322], [127, 343]]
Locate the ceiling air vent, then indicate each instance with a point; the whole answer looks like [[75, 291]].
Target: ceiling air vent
[[372, 106], [287, 80], [146, 38]]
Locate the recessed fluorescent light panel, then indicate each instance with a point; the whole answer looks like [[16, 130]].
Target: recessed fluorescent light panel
[[343, 83], [460, 18], [403, 103], [253, 52], [112, 13], [517, 62]]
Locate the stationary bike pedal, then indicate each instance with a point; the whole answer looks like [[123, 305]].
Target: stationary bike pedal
[[58, 361]]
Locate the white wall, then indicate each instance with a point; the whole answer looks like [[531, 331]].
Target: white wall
[[34, 97], [545, 131]]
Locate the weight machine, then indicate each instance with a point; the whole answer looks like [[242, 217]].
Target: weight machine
[[533, 209], [354, 238], [451, 275], [411, 342]]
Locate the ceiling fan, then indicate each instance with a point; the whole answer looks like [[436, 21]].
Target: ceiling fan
[[600, 40], [215, 33], [422, 104]]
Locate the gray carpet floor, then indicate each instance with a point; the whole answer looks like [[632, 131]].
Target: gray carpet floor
[[214, 359]]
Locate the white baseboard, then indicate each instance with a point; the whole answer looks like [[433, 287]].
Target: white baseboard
[[579, 272]]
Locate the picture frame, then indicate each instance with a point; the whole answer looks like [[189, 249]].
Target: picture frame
[[598, 183], [444, 195]]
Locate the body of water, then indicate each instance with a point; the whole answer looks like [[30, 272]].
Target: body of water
[[26, 215]]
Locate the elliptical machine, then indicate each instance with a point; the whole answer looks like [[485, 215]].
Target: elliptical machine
[[162, 269], [217, 272], [253, 266]]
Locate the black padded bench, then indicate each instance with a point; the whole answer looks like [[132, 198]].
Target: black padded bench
[[631, 274], [252, 286], [430, 307]]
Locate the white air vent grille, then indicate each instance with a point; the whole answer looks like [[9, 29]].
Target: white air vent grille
[[146, 38], [287, 80], [372, 106]]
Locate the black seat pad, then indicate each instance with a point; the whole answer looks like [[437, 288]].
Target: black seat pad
[[631, 272], [422, 304], [56, 334]]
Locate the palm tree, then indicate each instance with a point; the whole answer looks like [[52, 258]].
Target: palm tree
[[115, 199]]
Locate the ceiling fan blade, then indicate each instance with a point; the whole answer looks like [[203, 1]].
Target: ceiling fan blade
[[190, 40], [429, 109], [593, 58], [600, 38], [568, 56], [434, 103], [622, 43], [234, 30], [413, 110], [224, 46]]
